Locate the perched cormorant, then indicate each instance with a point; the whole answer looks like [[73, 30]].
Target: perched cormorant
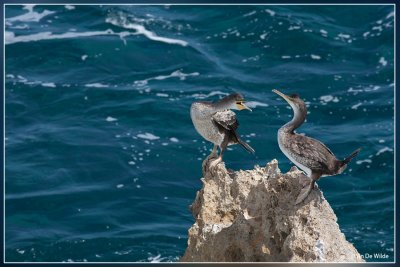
[[216, 123], [308, 154]]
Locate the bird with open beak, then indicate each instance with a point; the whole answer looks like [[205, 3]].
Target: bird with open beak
[[216, 123]]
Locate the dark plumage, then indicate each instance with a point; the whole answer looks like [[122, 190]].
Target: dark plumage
[[309, 154], [227, 125]]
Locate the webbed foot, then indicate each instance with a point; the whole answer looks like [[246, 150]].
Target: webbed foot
[[207, 161], [305, 192], [215, 162]]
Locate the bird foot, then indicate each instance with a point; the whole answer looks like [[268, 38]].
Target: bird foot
[[206, 162], [304, 180], [214, 163], [305, 191]]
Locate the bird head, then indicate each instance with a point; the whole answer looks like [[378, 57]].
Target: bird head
[[236, 101], [294, 101]]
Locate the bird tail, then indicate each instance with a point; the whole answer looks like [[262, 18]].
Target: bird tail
[[246, 146], [343, 163]]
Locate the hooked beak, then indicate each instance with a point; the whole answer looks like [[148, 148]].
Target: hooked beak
[[241, 106], [287, 98]]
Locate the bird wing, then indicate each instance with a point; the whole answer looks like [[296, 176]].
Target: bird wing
[[311, 152], [227, 124], [225, 119]]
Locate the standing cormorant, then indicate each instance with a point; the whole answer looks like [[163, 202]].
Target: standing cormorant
[[216, 123], [308, 154]]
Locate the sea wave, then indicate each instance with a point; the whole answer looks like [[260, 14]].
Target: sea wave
[[140, 29], [11, 38], [30, 16], [178, 74]]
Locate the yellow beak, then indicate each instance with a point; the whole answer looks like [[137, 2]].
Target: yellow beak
[[243, 106]]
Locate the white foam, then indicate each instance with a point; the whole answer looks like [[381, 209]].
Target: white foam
[[322, 31], [110, 119], [365, 34], [120, 185], [96, 85], [69, 7], [174, 139], [213, 93], [315, 57], [140, 29], [262, 36], [329, 98], [291, 28], [178, 73], [383, 61], [254, 104], [30, 16], [154, 259], [10, 37], [363, 161], [372, 88], [250, 14], [162, 95], [21, 78], [391, 14], [285, 57], [27, 82], [377, 28], [385, 149], [255, 58], [19, 27], [48, 85], [270, 12], [356, 106], [344, 36], [352, 90], [84, 57], [148, 136], [29, 7]]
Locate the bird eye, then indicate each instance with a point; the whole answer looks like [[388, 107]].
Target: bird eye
[[238, 102]]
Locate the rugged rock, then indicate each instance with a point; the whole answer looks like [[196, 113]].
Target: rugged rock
[[251, 216]]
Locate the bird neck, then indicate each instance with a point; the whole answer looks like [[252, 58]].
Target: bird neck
[[299, 116]]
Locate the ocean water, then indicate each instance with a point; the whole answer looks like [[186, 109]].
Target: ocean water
[[102, 160]]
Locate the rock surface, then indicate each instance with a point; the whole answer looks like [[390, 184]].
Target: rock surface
[[251, 216]]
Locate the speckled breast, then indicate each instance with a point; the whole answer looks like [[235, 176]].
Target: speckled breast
[[202, 123], [283, 145]]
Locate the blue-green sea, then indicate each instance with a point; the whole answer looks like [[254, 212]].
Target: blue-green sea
[[101, 158]]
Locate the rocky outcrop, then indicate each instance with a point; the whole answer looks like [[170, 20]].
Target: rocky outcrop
[[251, 216]]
